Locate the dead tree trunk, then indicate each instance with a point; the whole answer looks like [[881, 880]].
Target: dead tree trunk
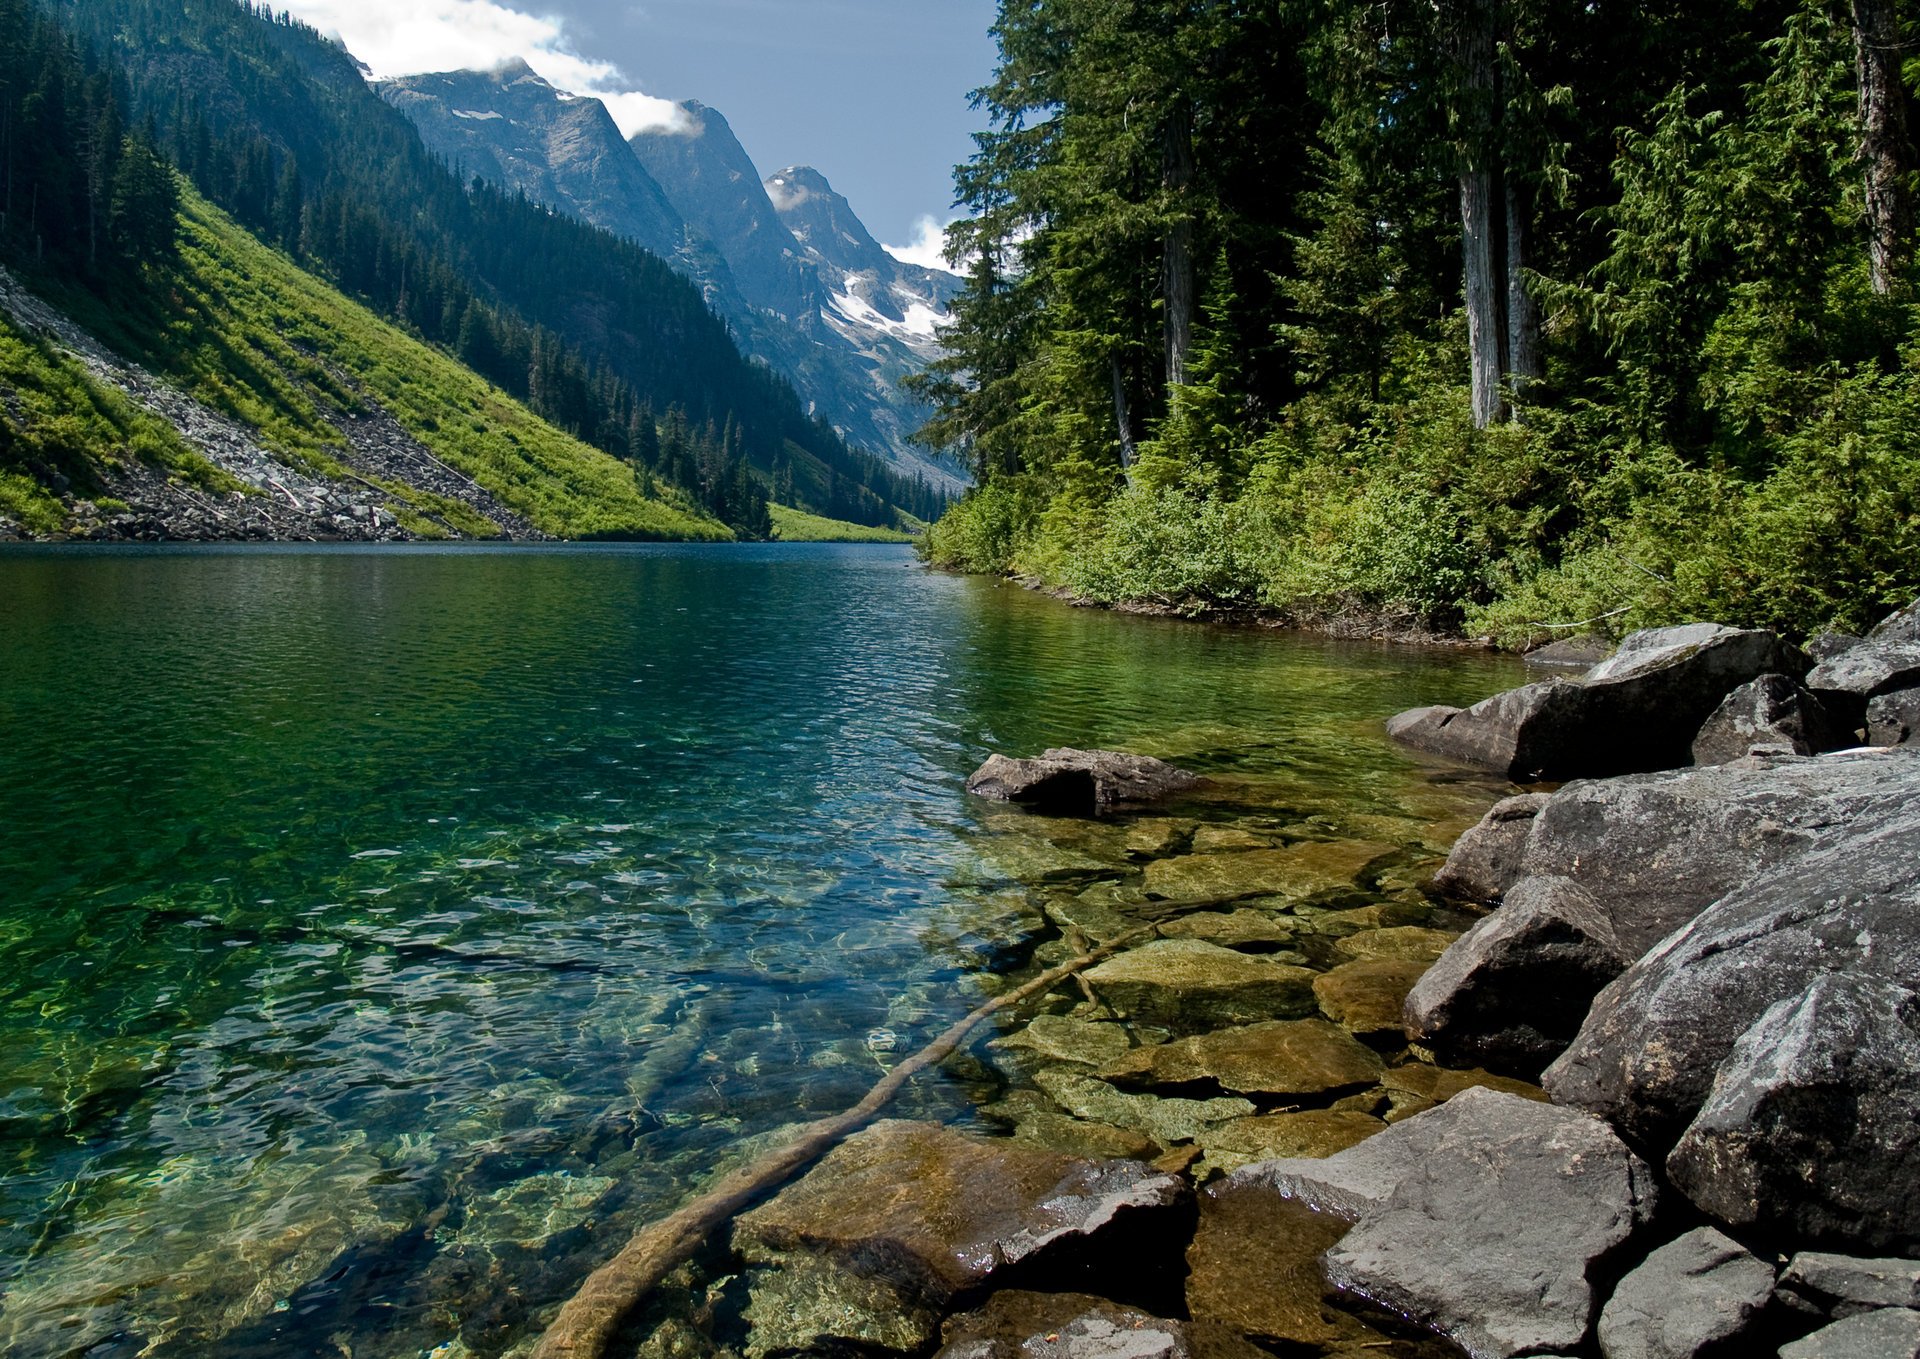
[[1886, 149], [1525, 363], [1178, 284], [1481, 210], [1122, 420]]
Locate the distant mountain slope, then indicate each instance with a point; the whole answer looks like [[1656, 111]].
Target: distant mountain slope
[[236, 396], [844, 346], [279, 127]]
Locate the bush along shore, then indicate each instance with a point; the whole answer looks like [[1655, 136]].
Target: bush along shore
[[1636, 1072]]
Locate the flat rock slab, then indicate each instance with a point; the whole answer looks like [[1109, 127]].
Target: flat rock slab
[[1368, 997], [1310, 868], [1408, 943], [871, 1245], [1890, 1333], [1499, 1209], [1285, 1058], [1647, 1056], [1249, 931], [1079, 782], [1191, 986], [1693, 1296], [1064, 1039], [1841, 1285], [1018, 1325], [1166, 1120], [1267, 1137]]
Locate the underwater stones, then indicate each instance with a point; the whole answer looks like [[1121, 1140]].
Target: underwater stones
[[1254, 1267], [1212, 839], [1062, 1038], [1368, 997], [1514, 990], [1079, 782], [1774, 711], [1300, 870], [530, 1212], [1692, 1296], [1151, 837], [1247, 930], [1498, 1210], [1077, 1137], [1485, 861], [1166, 1120], [873, 1243], [1192, 986], [1407, 943], [1266, 1137], [1017, 1325], [1440, 1084], [1287, 1058]]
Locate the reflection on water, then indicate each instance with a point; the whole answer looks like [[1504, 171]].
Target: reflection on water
[[387, 932]]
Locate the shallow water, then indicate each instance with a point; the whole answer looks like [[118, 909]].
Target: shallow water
[[387, 931]]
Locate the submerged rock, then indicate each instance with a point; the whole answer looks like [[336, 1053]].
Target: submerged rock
[[1776, 712], [1408, 943], [1254, 1269], [1079, 782], [1065, 1039], [1018, 1325], [1514, 990], [1299, 1057], [1192, 986], [1368, 997], [1637, 711], [1694, 1296], [1655, 1038], [1306, 869], [1485, 861], [1165, 1119], [1266, 1137], [1812, 1128], [1498, 1211], [871, 1246]]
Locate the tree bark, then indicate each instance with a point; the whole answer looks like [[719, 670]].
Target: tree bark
[[1178, 282], [1525, 364], [1480, 212], [1122, 420], [1885, 145]]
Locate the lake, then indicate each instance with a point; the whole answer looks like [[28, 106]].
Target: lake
[[388, 932]]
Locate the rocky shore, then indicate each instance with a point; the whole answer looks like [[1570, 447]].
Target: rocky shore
[[1636, 1073]]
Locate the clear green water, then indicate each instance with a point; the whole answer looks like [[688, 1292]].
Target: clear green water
[[386, 933]]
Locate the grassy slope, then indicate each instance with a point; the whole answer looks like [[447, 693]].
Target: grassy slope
[[250, 333], [797, 526]]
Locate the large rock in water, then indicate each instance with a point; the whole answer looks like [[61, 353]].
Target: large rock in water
[[1498, 1211], [1694, 1296], [1812, 1129], [1648, 1054], [871, 1247], [1285, 1058], [1656, 849], [1485, 861], [1773, 711], [1513, 991], [1192, 986], [1635, 712], [1079, 782]]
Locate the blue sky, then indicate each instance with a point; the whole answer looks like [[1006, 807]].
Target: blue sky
[[873, 93]]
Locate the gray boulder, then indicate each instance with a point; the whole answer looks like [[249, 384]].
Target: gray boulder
[[1903, 626], [1826, 645], [1500, 1214], [1894, 719], [1843, 1285], [1485, 861], [1511, 992], [1877, 666], [1638, 710], [1646, 1057], [1812, 1129], [1571, 653], [1691, 1297], [1774, 711], [1656, 849], [1891, 1333], [1079, 782]]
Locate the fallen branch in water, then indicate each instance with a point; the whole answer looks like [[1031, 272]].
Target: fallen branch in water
[[613, 1292]]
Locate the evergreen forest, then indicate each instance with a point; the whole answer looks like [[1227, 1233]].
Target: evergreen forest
[[1510, 317], [101, 102]]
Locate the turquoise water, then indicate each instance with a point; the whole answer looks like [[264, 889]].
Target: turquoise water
[[387, 932]]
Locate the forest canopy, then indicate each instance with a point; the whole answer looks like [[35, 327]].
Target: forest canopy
[[1505, 316]]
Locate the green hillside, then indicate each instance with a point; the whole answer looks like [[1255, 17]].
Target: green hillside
[[797, 526]]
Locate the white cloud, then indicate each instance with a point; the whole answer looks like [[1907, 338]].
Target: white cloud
[[927, 248], [396, 39]]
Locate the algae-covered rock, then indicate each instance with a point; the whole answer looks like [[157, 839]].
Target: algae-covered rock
[[1250, 931], [1408, 943], [874, 1243], [1306, 869], [1079, 782], [1267, 1137], [531, 1211], [1167, 1120], [1065, 1039], [1285, 1058], [1018, 1325], [1193, 986], [1254, 1267], [1368, 997], [1440, 1084]]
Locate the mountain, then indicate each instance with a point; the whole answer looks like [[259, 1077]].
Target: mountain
[[279, 127], [843, 345]]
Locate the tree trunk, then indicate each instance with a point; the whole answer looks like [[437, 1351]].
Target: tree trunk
[[1885, 147], [1122, 420], [1480, 212], [1525, 364], [1178, 283]]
